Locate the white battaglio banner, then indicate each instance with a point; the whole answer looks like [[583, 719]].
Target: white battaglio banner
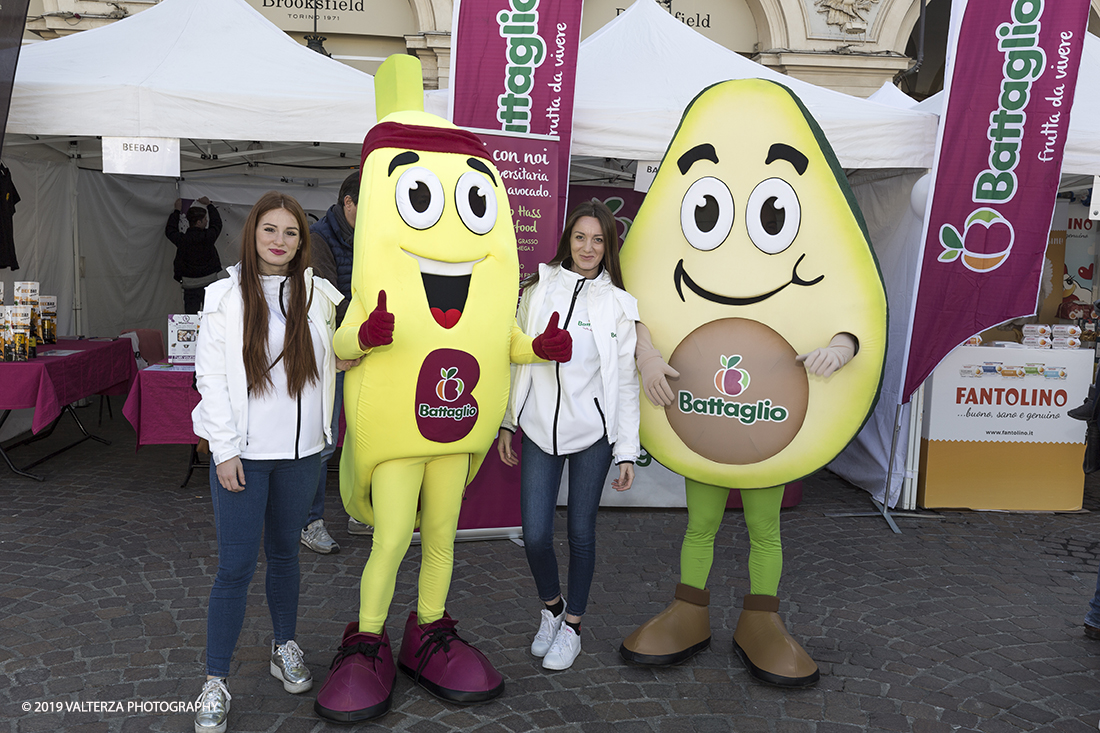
[[142, 156], [1005, 395]]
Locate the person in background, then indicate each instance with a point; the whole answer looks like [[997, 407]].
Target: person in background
[[196, 264], [332, 238], [584, 411], [266, 371]]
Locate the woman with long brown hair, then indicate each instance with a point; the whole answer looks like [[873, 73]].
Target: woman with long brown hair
[[583, 411], [266, 371]]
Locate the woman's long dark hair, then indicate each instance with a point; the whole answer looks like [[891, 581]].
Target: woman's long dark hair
[[297, 356], [599, 211]]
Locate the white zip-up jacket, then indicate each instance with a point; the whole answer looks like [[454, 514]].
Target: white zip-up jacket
[[222, 414], [612, 313]]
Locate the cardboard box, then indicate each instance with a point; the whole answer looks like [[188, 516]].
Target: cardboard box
[[183, 334]]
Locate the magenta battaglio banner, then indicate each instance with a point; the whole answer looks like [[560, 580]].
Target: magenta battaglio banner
[[513, 69], [1012, 72]]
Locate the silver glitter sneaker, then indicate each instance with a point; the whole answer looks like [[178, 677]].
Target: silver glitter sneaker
[[317, 538], [288, 665], [213, 704]]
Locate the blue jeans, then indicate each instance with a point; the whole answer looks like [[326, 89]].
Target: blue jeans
[[274, 504], [317, 511], [540, 476], [1092, 618]]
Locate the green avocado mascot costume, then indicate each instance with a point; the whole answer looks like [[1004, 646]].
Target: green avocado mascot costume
[[755, 278]]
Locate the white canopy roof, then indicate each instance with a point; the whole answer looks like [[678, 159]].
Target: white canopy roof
[[1082, 154], [206, 69], [890, 95], [637, 74]]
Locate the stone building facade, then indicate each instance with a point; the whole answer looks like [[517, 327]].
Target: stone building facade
[[852, 46]]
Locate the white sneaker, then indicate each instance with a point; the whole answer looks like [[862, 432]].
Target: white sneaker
[[549, 625], [565, 649]]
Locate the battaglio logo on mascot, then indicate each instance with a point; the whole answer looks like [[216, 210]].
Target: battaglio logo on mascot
[[731, 382]]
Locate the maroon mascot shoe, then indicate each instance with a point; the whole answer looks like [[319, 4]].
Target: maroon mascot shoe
[[360, 681], [437, 659]]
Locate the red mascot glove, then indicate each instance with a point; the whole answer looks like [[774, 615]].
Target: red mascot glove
[[553, 344], [377, 330]]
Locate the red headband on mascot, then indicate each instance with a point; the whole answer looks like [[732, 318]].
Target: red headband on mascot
[[422, 137]]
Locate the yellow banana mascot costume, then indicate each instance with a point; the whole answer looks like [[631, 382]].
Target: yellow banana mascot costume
[[755, 276], [434, 286]]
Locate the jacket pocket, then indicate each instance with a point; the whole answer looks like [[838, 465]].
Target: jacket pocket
[[603, 420]]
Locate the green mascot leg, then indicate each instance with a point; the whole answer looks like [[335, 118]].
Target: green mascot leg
[[761, 639], [705, 504], [765, 547], [683, 629]]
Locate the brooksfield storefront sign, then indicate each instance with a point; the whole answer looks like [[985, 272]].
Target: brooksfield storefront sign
[[356, 17]]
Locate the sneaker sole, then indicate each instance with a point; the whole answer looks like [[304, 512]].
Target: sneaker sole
[[560, 667], [354, 716], [462, 697], [333, 551], [208, 729], [291, 687]]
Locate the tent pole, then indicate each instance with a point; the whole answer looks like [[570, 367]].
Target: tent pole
[[884, 507], [78, 305]]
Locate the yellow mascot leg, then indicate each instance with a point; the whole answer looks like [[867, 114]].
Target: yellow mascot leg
[[395, 488], [444, 483]]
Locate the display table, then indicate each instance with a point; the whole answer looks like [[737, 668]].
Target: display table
[[159, 407], [996, 434], [63, 373], [160, 403]]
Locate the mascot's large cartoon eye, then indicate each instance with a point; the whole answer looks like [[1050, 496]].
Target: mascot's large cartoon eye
[[773, 215], [706, 215], [419, 197], [476, 202]]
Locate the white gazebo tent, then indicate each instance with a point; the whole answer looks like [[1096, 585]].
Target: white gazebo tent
[[253, 109], [637, 74]]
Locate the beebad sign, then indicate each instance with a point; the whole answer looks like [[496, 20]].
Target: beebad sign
[[142, 156]]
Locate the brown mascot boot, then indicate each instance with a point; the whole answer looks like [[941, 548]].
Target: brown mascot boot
[[675, 634], [764, 645]]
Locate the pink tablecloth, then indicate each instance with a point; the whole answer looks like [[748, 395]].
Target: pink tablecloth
[[159, 406], [48, 383], [160, 403]]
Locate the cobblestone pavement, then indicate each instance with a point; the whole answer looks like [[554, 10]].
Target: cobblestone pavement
[[965, 622]]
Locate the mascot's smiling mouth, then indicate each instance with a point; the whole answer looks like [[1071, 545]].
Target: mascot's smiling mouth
[[446, 285], [680, 278]]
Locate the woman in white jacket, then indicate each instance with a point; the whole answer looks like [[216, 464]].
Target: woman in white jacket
[[266, 371], [584, 411]]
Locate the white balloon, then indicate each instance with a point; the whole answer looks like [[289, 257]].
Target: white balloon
[[918, 198]]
